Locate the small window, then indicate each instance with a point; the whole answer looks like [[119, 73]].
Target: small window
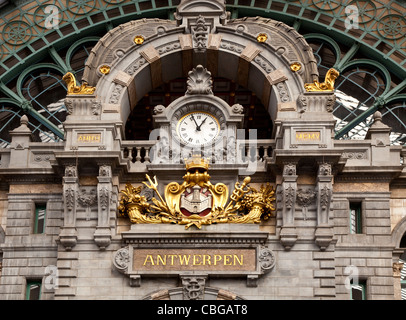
[[355, 217], [33, 291], [40, 213], [358, 291]]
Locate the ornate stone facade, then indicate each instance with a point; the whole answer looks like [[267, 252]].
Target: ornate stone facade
[[108, 218]]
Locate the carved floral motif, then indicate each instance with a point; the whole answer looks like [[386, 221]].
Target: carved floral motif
[[199, 81]]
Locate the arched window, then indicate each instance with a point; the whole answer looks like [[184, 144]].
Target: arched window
[[45, 89]]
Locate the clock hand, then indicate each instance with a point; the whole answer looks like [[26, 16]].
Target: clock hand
[[202, 123], [197, 126]]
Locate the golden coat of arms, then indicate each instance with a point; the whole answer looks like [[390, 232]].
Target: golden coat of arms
[[197, 201]]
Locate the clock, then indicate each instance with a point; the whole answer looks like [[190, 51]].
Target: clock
[[198, 128]]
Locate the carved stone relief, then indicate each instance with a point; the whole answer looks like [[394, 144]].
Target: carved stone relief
[[305, 197], [193, 287]]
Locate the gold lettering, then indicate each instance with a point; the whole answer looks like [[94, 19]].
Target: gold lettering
[[195, 260], [227, 258], [184, 259], [240, 262], [217, 258], [163, 261], [206, 258], [89, 138], [150, 258], [171, 256], [308, 136]]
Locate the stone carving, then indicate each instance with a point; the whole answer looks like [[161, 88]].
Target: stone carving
[[159, 109], [289, 197], [69, 106], [70, 198], [233, 47], [397, 268], [200, 33], [237, 108], [104, 195], [115, 95], [325, 169], [193, 288], [283, 92], [289, 169], [96, 107], [331, 100], [302, 103], [199, 81], [133, 68], [356, 155], [70, 171], [87, 198], [121, 259], [305, 198], [266, 259], [324, 197], [104, 171]]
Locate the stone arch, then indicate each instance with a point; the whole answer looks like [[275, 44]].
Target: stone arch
[[177, 294], [399, 232], [258, 53]]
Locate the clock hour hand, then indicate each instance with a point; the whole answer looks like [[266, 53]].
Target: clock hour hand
[[197, 126], [198, 129]]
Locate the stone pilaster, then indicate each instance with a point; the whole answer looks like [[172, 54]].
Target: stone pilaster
[[288, 234], [68, 235], [102, 235], [324, 187]]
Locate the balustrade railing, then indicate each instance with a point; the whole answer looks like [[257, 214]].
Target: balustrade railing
[[241, 152]]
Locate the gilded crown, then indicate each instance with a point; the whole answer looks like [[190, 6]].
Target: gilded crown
[[197, 162]]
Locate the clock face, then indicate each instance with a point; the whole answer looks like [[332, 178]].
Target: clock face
[[198, 128]]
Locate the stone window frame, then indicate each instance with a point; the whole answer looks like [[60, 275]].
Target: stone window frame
[[35, 203], [361, 202]]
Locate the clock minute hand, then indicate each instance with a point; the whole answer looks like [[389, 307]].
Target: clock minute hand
[[197, 126]]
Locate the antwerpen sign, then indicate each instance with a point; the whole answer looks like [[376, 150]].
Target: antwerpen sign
[[228, 250], [194, 259]]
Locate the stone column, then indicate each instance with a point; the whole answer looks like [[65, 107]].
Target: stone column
[[288, 234], [102, 235], [397, 268], [324, 187], [68, 235]]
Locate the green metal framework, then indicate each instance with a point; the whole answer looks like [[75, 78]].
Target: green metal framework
[[40, 40]]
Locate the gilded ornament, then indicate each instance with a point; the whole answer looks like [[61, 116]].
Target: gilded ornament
[[73, 88], [104, 69], [262, 37], [296, 66], [197, 201], [139, 39], [327, 85]]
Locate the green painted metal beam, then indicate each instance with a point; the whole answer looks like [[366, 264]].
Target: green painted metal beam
[[380, 102]]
